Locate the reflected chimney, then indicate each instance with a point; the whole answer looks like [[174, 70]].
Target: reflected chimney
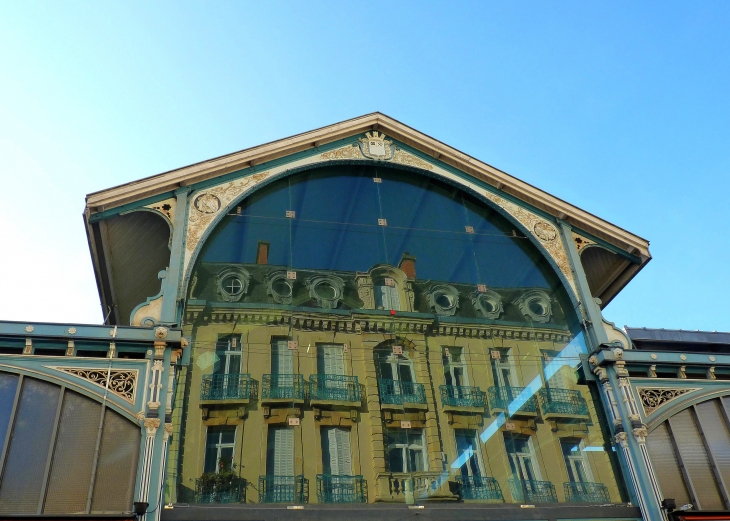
[[262, 253], [407, 265]]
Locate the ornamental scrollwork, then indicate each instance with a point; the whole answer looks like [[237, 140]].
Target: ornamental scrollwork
[[653, 398], [122, 382], [209, 203]]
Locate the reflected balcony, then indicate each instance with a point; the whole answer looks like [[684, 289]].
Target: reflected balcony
[[399, 395], [563, 403], [404, 487], [214, 488], [515, 401], [341, 489], [463, 398], [225, 388], [288, 388], [532, 491], [479, 488], [586, 492], [334, 389], [283, 489]]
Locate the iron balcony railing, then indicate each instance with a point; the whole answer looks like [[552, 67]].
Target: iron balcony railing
[[397, 393], [511, 399], [341, 489], [562, 401], [477, 487], [462, 396], [536, 491], [231, 492], [283, 489], [282, 386], [226, 387], [586, 492], [334, 387]]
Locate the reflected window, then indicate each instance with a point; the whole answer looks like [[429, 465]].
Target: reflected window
[[579, 471], [336, 452], [394, 367], [280, 452], [522, 461], [330, 359], [454, 367], [228, 355], [503, 368], [405, 450], [467, 448], [219, 445]]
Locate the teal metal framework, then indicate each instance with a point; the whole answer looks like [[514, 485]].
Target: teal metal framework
[[231, 492], [397, 393], [501, 398], [283, 489], [586, 492], [334, 387], [562, 401], [341, 489], [534, 491], [463, 396], [225, 387], [282, 386], [478, 487]]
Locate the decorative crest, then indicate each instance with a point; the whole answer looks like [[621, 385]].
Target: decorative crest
[[375, 146]]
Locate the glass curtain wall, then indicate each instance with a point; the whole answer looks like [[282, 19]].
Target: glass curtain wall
[[396, 323]]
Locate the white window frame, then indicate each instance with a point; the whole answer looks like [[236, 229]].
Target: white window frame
[[477, 450], [405, 447], [231, 352], [579, 457], [519, 459], [450, 366], [219, 445]]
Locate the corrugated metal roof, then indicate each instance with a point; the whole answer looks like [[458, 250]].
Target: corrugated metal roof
[[677, 335]]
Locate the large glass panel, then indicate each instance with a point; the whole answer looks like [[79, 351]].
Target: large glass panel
[[71, 470], [406, 311], [8, 389], [117, 466], [30, 443]]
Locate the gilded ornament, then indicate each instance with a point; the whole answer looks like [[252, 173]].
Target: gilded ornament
[[122, 382], [653, 398], [348, 152], [204, 208], [545, 231], [72, 331], [160, 332], [529, 220], [29, 329]]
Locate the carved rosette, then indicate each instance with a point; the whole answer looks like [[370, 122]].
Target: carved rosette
[[654, 398], [545, 232], [207, 204], [122, 382]]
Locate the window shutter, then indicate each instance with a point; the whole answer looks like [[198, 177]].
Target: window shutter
[[334, 452], [391, 294], [339, 451], [661, 452], [284, 452], [282, 360]]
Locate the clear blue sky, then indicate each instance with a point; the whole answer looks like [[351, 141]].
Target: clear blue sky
[[621, 108]]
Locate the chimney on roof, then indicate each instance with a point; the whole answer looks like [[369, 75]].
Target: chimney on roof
[[262, 253], [407, 265]]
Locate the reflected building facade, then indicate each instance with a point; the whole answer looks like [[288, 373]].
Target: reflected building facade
[[358, 321]]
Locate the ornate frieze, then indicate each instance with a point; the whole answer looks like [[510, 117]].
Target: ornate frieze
[[122, 382], [545, 232], [166, 207], [654, 397], [207, 204], [376, 147], [581, 242]]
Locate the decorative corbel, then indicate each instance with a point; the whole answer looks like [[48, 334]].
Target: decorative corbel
[[151, 425], [622, 439], [682, 372], [651, 373], [711, 373], [640, 433]]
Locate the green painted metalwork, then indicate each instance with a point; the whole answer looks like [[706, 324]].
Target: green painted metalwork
[[225, 387], [478, 487], [463, 396], [562, 401], [216, 491], [334, 387], [278, 386], [397, 392], [586, 492], [536, 491], [283, 489], [341, 489], [502, 398]]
